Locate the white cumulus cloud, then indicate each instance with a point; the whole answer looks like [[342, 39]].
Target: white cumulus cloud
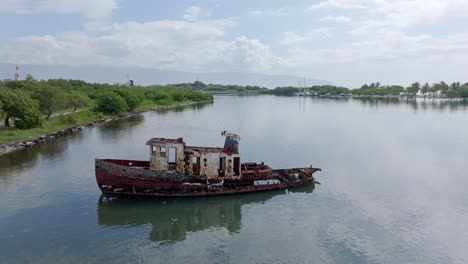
[[338, 19], [341, 4], [198, 46]]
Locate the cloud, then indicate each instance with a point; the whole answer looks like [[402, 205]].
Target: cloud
[[338, 19], [388, 44], [291, 38], [377, 14], [390, 57], [198, 46], [250, 54], [269, 12], [407, 13], [89, 8], [195, 13], [341, 4]]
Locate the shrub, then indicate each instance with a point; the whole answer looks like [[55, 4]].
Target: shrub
[[130, 97], [69, 119], [111, 103], [21, 107]]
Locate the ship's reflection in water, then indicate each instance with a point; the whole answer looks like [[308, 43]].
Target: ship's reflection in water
[[173, 218]]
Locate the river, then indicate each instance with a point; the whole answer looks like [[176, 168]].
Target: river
[[393, 188]]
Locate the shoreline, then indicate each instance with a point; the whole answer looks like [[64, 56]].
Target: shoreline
[[23, 144], [238, 93]]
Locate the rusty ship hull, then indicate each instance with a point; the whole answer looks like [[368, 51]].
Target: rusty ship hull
[[175, 169], [132, 177]]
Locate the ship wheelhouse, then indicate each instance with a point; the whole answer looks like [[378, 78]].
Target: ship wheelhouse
[[211, 163]]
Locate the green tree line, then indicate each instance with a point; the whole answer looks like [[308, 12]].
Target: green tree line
[[455, 89], [29, 102]]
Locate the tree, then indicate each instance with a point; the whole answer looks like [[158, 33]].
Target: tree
[[20, 106], [8, 100], [130, 98], [111, 103], [50, 99], [414, 88], [159, 96], [435, 88], [425, 88], [455, 85], [30, 78], [198, 85], [77, 99], [178, 94]]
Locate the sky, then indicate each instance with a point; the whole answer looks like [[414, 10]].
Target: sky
[[347, 42]]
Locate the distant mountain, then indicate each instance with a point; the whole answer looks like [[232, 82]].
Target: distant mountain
[[144, 76]]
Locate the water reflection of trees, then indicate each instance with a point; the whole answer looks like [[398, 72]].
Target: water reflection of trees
[[12, 164], [112, 130], [173, 218], [416, 103], [331, 99], [181, 108]]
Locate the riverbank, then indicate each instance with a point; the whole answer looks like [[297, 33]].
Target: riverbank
[[60, 126]]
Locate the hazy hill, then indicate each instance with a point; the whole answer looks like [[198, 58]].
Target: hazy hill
[[143, 76]]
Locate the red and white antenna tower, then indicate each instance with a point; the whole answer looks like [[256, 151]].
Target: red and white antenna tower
[[17, 73]]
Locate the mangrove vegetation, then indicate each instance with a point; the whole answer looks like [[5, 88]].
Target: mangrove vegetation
[[441, 89], [31, 107]]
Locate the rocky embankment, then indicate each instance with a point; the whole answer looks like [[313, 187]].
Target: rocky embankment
[[18, 145]]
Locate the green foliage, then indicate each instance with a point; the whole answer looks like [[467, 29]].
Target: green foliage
[[198, 85], [178, 94], [77, 99], [286, 91], [130, 97], [182, 94], [458, 91], [170, 94], [29, 117], [425, 88], [18, 105], [15, 84], [328, 89], [414, 88], [50, 99], [319, 89], [69, 119], [30, 78], [380, 90], [49, 126], [159, 95], [111, 103]]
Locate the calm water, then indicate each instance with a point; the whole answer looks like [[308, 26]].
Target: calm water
[[393, 188]]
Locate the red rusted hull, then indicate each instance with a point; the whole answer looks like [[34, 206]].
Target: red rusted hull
[[135, 178]]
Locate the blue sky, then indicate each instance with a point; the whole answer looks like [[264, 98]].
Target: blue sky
[[349, 42]]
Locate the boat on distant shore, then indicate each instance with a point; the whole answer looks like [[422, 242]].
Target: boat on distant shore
[[175, 169]]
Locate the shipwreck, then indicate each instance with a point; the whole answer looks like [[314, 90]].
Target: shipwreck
[[175, 169]]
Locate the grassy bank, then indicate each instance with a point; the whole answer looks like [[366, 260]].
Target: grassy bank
[[54, 124]]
